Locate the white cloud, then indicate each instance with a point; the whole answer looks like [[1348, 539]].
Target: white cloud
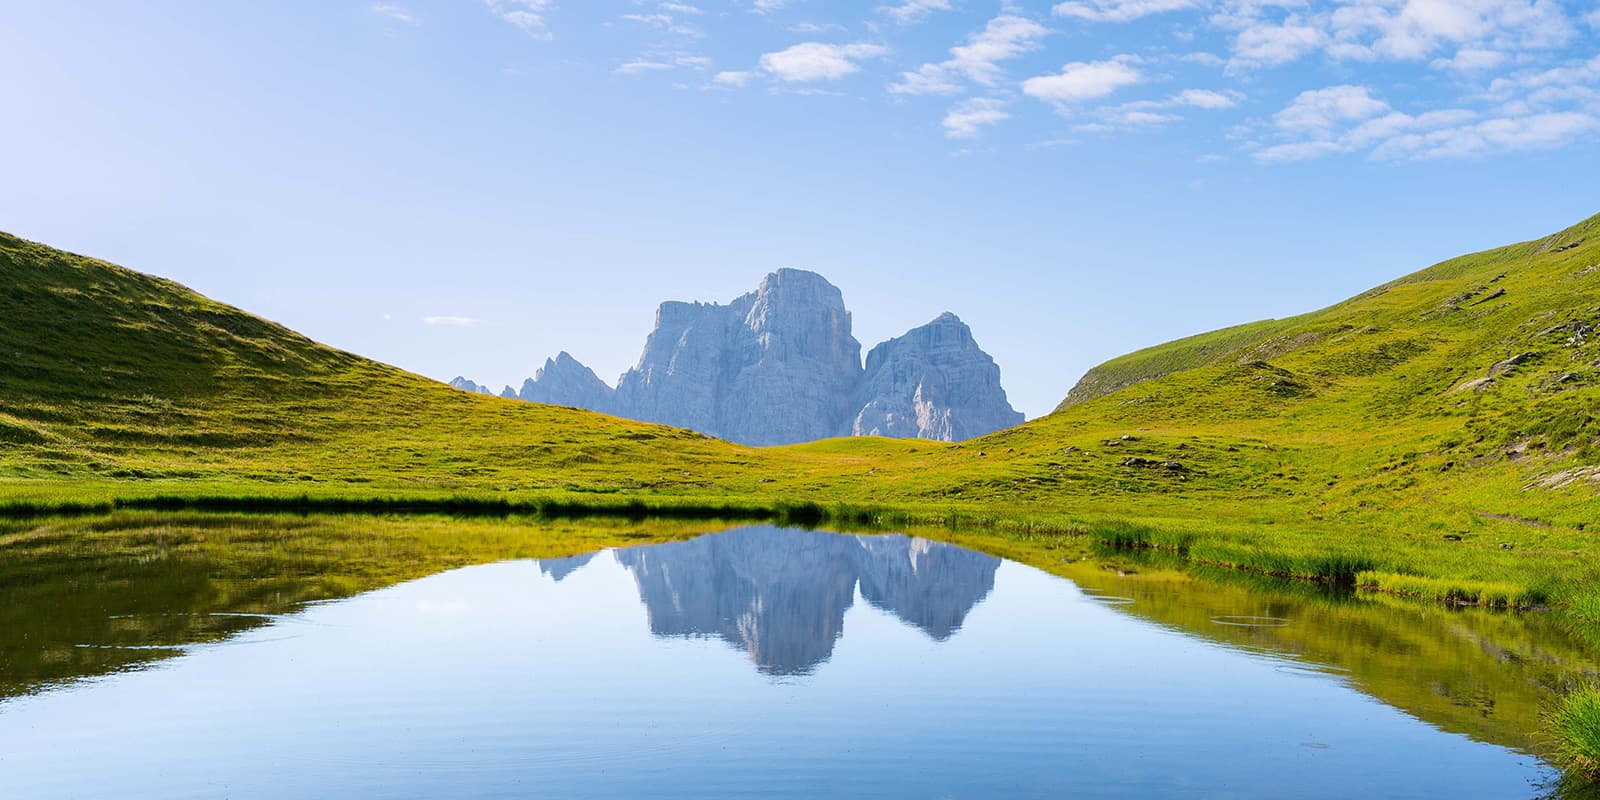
[[1321, 111], [527, 15], [1407, 30], [967, 118], [978, 60], [1084, 80], [735, 79], [1272, 32], [1124, 117], [680, 8], [1120, 10], [1207, 99], [1297, 151], [664, 20], [914, 10], [1472, 59], [768, 6], [1270, 44], [1529, 84], [1203, 59], [815, 27], [451, 322], [1348, 119], [393, 12], [1156, 113], [640, 66], [1491, 136], [813, 61], [661, 63]]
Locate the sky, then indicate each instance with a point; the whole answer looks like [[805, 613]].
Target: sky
[[470, 186]]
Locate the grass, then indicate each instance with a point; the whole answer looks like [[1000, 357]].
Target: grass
[[1576, 727]]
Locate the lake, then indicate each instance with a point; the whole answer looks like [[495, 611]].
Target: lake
[[754, 661]]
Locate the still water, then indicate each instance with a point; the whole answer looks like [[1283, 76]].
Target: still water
[[763, 662]]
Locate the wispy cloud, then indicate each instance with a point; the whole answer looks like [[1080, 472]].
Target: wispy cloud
[[911, 11], [667, 17], [977, 60], [816, 61], [451, 322], [528, 15], [394, 13], [660, 63], [1120, 10], [967, 118], [733, 78], [639, 66], [1350, 119]]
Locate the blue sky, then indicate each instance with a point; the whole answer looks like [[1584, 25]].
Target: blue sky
[[467, 187]]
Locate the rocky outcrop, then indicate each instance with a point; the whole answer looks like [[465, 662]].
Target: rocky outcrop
[[780, 365], [563, 381], [932, 383], [468, 386]]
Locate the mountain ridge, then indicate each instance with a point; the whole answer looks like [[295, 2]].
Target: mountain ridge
[[780, 365]]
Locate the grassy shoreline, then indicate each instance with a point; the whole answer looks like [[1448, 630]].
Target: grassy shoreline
[[1374, 561]]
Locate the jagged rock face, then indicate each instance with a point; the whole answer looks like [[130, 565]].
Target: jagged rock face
[[680, 374], [563, 381], [468, 386], [779, 365], [764, 369], [795, 352], [509, 393], [932, 383]]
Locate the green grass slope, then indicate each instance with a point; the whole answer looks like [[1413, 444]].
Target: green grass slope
[[111, 374]]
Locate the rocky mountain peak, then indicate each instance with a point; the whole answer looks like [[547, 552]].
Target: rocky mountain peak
[[780, 365], [460, 382], [934, 382], [564, 381]]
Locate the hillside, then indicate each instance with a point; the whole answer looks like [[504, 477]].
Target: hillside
[[112, 374]]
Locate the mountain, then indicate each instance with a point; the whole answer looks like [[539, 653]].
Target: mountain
[[562, 381], [932, 383], [779, 366]]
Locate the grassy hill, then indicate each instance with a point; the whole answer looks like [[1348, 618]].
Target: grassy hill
[[1435, 435]]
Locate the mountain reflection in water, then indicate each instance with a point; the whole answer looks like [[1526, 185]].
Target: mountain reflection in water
[[781, 596]]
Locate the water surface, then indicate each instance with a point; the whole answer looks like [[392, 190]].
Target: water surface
[[767, 662]]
